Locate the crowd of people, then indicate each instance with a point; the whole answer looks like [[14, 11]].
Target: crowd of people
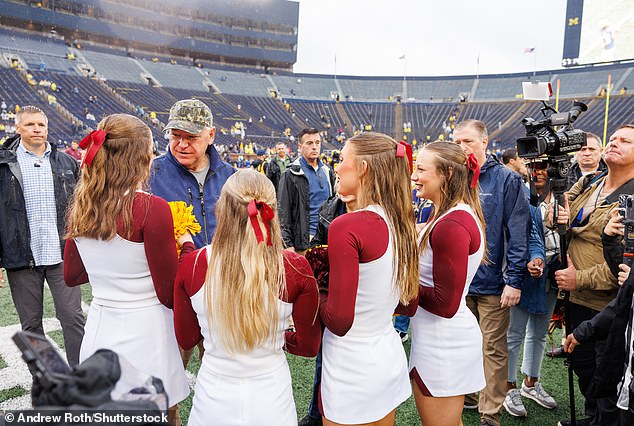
[[473, 263]]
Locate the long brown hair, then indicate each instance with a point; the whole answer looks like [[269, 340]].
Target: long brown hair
[[450, 161], [107, 186], [387, 183], [245, 277]]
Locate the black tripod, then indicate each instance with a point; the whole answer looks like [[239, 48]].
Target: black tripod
[[559, 167]]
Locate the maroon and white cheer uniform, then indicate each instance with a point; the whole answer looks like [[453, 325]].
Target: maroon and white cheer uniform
[[446, 352], [364, 370], [132, 286], [252, 388]]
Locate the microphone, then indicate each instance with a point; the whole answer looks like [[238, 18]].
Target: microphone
[[36, 165]]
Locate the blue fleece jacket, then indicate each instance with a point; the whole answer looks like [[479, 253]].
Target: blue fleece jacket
[[508, 223], [173, 182]]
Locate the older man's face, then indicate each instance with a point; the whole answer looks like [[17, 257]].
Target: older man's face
[[589, 156], [189, 149], [619, 152]]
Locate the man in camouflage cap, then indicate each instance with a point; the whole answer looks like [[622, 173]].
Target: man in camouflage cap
[[192, 170]]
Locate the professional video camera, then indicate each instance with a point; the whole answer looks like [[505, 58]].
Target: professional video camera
[[542, 138], [626, 208]]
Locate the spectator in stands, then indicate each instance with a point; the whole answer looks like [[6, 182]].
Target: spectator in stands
[[511, 160], [303, 188], [37, 183], [90, 116], [531, 317], [191, 170], [591, 283], [74, 151], [587, 159], [258, 289], [278, 164], [497, 285]]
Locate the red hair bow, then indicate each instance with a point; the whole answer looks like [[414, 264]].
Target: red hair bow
[[92, 142], [404, 149], [255, 207], [472, 164]]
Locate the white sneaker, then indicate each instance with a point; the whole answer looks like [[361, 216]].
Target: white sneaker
[[513, 403], [539, 395]]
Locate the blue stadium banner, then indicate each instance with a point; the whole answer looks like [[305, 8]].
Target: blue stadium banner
[[572, 36]]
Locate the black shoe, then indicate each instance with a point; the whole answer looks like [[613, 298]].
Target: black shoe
[[557, 353], [580, 422], [309, 421]]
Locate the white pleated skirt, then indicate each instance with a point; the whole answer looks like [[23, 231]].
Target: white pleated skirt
[[264, 400], [143, 336]]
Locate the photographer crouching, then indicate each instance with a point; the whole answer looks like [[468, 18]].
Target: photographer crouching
[[591, 282]]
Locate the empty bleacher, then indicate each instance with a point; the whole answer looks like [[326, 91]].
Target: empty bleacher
[[438, 89], [114, 67], [174, 75], [303, 86], [370, 89]]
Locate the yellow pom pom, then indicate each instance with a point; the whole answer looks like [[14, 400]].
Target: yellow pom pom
[[184, 219]]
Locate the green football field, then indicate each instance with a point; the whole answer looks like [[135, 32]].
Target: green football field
[[15, 378]]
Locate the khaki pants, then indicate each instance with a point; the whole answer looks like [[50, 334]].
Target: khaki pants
[[494, 323]]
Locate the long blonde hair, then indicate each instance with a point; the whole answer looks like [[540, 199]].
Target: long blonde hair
[[450, 161], [107, 186], [387, 183], [245, 277]]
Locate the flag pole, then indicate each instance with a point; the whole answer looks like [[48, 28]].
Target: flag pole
[[607, 108]]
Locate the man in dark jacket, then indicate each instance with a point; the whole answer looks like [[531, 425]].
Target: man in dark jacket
[[37, 183], [192, 170], [587, 160], [278, 164], [304, 187], [497, 284]]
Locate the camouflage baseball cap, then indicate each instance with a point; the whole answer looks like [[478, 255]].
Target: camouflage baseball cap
[[191, 116]]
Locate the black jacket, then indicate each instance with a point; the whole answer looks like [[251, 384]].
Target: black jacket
[[328, 211], [15, 236], [609, 324], [274, 173], [293, 201], [575, 172], [612, 251]]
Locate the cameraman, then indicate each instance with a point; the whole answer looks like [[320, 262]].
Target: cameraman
[[591, 283]]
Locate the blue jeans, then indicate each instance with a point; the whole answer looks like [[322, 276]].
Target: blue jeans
[[530, 329], [401, 323], [313, 407]]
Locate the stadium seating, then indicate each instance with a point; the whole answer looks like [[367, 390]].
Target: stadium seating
[[266, 104]]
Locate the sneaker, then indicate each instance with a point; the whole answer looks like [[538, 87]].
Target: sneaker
[[309, 421], [580, 422], [513, 403], [558, 352], [485, 422], [539, 395], [403, 335]]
